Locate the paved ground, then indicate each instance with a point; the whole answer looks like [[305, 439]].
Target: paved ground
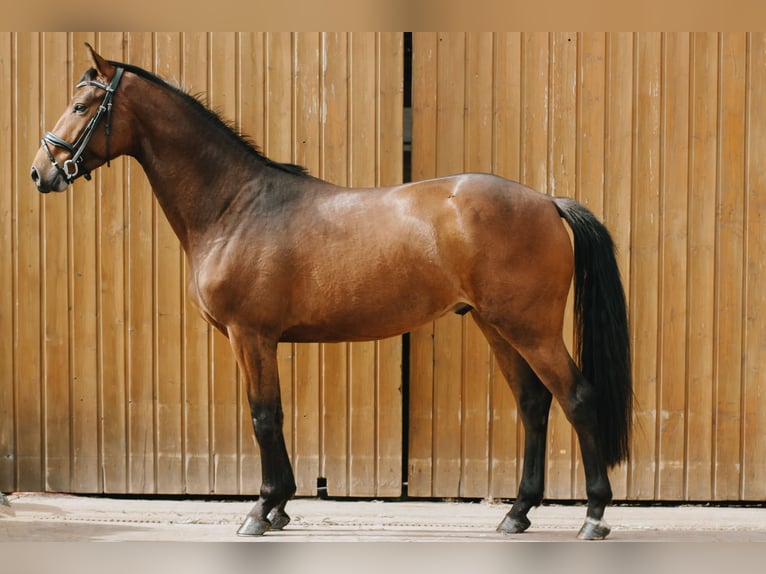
[[339, 537], [57, 518]]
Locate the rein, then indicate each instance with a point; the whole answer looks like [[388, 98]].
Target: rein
[[70, 170]]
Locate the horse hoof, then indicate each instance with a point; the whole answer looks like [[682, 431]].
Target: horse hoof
[[254, 527], [5, 507], [511, 525], [594, 530], [279, 519]]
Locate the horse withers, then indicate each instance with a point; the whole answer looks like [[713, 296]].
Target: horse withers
[[278, 255]]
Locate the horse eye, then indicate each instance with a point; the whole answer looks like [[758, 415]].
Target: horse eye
[[80, 108]]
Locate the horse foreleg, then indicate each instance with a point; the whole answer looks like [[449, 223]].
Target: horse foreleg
[[257, 358]]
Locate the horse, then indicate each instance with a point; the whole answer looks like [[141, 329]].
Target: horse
[[276, 254]]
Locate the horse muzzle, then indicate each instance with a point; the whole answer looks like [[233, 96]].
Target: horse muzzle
[[47, 179]]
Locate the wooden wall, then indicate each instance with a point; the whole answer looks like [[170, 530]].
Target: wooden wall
[[109, 382], [662, 135]]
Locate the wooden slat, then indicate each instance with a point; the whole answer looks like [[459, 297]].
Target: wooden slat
[[562, 172], [85, 281], [251, 104], [618, 169], [448, 360], [226, 390], [362, 129], [388, 352], [477, 366], [506, 433], [168, 287], [196, 332], [7, 191], [701, 265], [140, 369], [335, 167], [54, 299], [645, 261], [421, 389], [306, 153], [674, 188], [278, 145], [590, 156], [729, 266], [27, 335], [754, 414], [113, 306]]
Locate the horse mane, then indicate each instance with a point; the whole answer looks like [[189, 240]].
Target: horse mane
[[196, 103]]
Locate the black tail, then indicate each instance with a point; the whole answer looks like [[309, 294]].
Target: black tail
[[601, 327]]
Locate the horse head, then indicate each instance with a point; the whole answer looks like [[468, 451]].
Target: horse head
[[82, 138]]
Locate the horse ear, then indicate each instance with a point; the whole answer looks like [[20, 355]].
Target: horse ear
[[104, 68]]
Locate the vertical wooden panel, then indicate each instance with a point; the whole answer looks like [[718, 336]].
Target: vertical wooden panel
[[85, 283], [55, 299], [140, 370], [673, 265], [27, 336], [278, 145], [590, 157], [335, 167], [450, 96], [701, 266], [361, 374], [618, 169], [251, 103], [167, 317], [112, 305], [7, 187], [731, 163], [388, 352], [506, 434], [226, 391], [645, 260], [562, 171], [306, 153], [477, 367], [421, 405], [754, 413], [196, 332]]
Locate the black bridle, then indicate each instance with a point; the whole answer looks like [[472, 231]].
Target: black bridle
[[71, 168]]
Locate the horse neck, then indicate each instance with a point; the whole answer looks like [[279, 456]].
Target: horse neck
[[195, 168]]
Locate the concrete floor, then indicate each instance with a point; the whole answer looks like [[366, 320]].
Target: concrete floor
[[367, 537]]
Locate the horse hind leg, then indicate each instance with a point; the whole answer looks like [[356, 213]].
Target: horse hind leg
[[556, 369], [534, 401]]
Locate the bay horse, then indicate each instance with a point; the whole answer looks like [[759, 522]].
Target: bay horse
[[278, 255]]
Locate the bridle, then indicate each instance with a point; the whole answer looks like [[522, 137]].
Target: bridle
[[70, 170]]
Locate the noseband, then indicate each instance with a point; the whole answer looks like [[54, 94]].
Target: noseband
[[71, 168]]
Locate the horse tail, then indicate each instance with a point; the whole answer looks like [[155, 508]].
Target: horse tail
[[602, 341]]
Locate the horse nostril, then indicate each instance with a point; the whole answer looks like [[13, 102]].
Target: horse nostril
[[35, 175]]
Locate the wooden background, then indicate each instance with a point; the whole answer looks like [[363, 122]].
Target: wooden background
[[109, 382]]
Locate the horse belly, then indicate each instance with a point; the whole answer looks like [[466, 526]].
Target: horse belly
[[385, 312]]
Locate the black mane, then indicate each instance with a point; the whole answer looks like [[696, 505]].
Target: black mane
[[197, 104]]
